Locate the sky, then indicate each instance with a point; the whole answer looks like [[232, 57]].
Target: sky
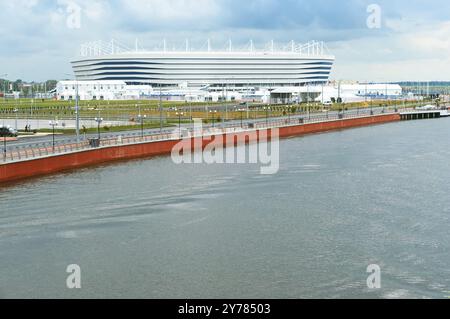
[[375, 40]]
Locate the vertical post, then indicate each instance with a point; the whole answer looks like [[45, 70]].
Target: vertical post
[[4, 88], [16, 111], [242, 114], [53, 124], [213, 117], [226, 104], [371, 105], [307, 100], [53, 138], [77, 112], [141, 119], [180, 114], [4, 148], [289, 114], [99, 120], [365, 94], [160, 109], [190, 102], [322, 97]]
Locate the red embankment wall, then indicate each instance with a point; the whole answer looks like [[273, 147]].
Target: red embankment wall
[[58, 163], [335, 125]]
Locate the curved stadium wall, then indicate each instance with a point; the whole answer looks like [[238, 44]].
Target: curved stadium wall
[[212, 69]]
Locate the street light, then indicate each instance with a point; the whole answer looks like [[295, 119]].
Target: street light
[[371, 105], [242, 112], [15, 111], [4, 146], [179, 114], [4, 87], [213, 118], [53, 124], [77, 109], [289, 113], [99, 121], [267, 109], [141, 120], [160, 110]]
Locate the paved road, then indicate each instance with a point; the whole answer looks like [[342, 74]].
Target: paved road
[[44, 124]]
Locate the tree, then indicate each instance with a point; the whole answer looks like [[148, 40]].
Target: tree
[[51, 84]]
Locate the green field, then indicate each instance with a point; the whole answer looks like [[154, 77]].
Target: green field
[[129, 110]]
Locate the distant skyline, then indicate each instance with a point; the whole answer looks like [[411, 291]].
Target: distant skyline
[[409, 42]]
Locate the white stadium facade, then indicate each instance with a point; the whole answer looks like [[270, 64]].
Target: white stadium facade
[[294, 65], [274, 74]]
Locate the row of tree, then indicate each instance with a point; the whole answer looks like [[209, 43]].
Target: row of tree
[[27, 88]]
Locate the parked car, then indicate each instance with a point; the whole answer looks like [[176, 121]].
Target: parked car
[[6, 131]]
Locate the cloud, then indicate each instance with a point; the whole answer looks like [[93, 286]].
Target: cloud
[[37, 42]]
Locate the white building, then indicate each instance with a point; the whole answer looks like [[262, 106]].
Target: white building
[[290, 65], [328, 93], [91, 90], [119, 90]]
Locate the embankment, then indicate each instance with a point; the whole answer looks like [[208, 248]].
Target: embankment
[[52, 164]]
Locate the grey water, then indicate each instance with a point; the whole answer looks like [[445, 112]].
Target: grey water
[[153, 229]]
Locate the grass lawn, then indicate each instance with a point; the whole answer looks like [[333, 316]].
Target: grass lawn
[[128, 110], [106, 129]]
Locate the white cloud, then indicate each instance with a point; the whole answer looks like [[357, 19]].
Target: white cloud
[[37, 44], [175, 12]]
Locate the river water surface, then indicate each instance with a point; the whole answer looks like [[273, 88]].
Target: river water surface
[[153, 229]]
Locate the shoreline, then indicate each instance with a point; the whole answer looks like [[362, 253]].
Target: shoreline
[[54, 163]]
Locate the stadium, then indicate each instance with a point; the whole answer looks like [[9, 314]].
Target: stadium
[[289, 65], [274, 73]]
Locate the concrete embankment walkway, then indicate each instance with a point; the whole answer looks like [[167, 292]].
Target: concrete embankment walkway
[[53, 163]]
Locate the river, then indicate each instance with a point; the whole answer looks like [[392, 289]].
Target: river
[[153, 229]]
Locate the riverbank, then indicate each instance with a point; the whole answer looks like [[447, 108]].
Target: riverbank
[[61, 162]]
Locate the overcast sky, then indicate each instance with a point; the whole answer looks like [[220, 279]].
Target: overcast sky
[[40, 37]]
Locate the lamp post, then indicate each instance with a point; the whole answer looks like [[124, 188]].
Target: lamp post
[[160, 110], [77, 109], [141, 120], [242, 113], [4, 147], [4, 87], [213, 112], [53, 124], [267, 109], [77, 112], [99, 121], [190, 103], [371, 105], [15, 111], [289, 113], [179, 114]]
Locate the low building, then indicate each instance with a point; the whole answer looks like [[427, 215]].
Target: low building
[[119, 90], [91, 90]]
